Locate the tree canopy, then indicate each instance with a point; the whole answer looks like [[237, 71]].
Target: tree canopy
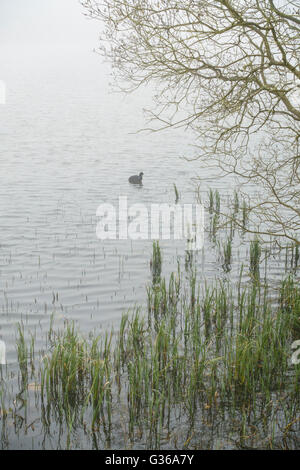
[[229, 70]]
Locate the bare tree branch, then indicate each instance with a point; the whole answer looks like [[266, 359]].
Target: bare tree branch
[[229, 70]]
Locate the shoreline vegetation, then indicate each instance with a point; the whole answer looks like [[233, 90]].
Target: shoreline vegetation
[[204, 367]]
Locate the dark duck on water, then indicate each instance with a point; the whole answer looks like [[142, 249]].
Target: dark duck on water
[[136, 179]]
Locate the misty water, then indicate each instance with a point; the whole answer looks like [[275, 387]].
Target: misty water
[[68, 144]]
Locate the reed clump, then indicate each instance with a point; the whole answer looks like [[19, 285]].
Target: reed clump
[[227, 255], [199, 351], [213, 355]]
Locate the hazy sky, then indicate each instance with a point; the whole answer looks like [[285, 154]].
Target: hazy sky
[[46, 22], [51, 22]]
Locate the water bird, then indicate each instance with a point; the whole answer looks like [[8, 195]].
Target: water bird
[[2, 353], [136, 179]]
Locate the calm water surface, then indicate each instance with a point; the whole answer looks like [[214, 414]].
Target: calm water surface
[[68, 144]]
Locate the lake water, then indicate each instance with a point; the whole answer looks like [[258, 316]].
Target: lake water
[[67, 145]]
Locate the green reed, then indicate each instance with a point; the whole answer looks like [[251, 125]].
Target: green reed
[[214, 201], [227, 255], [23, 355], [245, 214], [255, 255], [236, 202], [156, 263], [201, 354]]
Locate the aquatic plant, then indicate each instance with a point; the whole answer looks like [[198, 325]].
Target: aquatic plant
[[255, 254], [201, 354], [156, 262]]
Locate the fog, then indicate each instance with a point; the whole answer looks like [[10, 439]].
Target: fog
[[46, 23]]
